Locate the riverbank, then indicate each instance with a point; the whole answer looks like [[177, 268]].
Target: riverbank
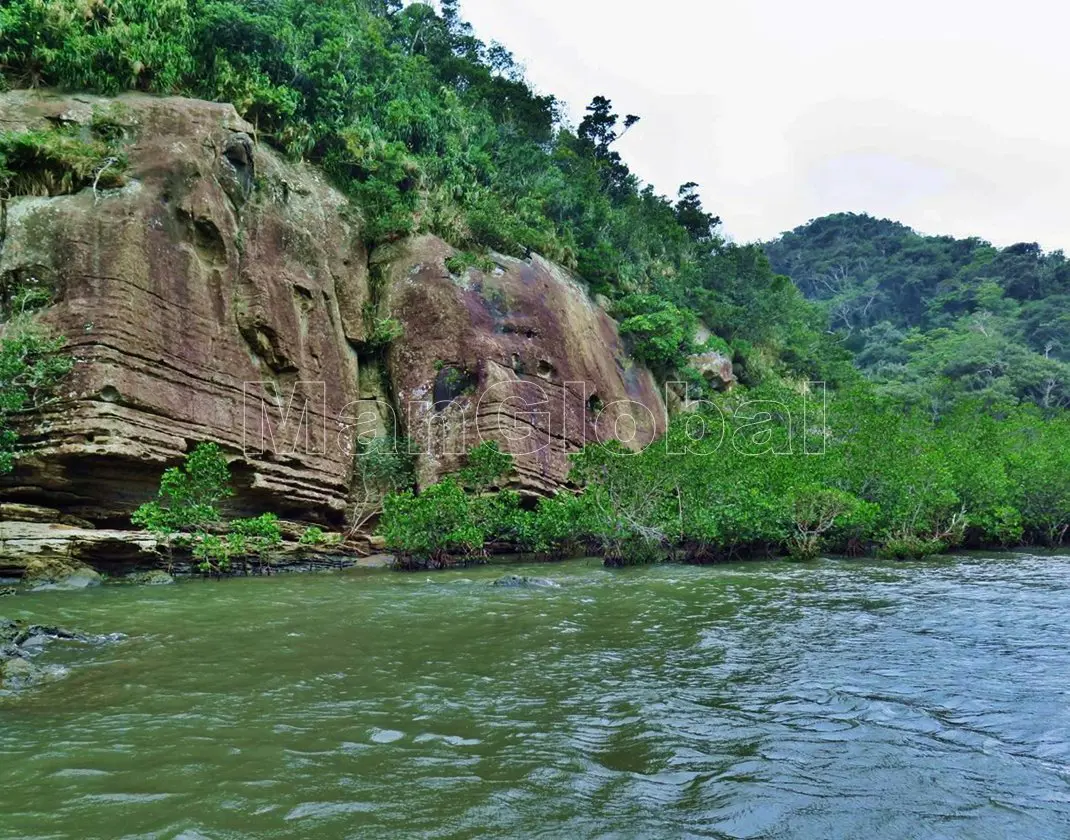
[[45, 551], [53, 556], [65, 555]]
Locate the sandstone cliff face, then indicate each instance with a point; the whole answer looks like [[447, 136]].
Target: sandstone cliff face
[[215, 266], [221, 276], [515, 352]]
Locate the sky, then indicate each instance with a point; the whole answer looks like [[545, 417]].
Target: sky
[[947, 115]]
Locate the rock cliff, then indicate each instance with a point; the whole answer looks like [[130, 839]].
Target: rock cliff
[[514, 351], [215, 265], [225, 294]]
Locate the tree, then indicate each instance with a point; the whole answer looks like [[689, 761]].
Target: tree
[[660, 334], [189, 494], [433, 529], [599, 126], [815, 513], [691, 215], [187, 505]]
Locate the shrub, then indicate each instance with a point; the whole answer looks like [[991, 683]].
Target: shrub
[[460, 262], [186, 512], [660, 334], [816, 514], [434, 529], [501, 518], [215, 553], [621, 510], [907, 546], [313, 535], [259, 536], [383, 465], [57, 162], [556, 528], [385, 332]]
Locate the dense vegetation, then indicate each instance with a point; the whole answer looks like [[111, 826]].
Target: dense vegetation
[[429, 129], [934, 320], [772, 473]]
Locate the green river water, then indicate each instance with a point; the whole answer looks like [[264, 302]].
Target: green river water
[[840, 699]]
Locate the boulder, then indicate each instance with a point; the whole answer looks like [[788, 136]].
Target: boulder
[[18, 673], [516, 582], [716, 369], [156, 577], [52, 573], [9, 631]]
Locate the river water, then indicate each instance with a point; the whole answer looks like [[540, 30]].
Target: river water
[[839, 699]]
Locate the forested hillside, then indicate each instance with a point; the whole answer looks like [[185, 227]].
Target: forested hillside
[[429, 129], [933, 318]]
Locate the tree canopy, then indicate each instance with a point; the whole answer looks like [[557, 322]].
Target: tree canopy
[[934, 319]]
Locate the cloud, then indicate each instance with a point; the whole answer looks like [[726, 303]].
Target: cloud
[[944, 114]]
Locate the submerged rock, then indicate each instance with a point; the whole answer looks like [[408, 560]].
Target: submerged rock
[[17, 672], [20, 643], [9, 629], [156, 577], [516, 581], [6, 591]]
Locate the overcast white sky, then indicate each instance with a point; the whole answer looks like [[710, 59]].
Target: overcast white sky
[[949, 115]]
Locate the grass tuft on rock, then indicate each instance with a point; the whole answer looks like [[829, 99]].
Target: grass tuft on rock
[[57, 162]]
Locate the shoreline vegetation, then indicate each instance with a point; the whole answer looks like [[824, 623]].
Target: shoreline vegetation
[[426, 129], [735, 483], [730, 481]]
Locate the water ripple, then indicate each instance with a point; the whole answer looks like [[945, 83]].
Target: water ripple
[[838, 699]]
